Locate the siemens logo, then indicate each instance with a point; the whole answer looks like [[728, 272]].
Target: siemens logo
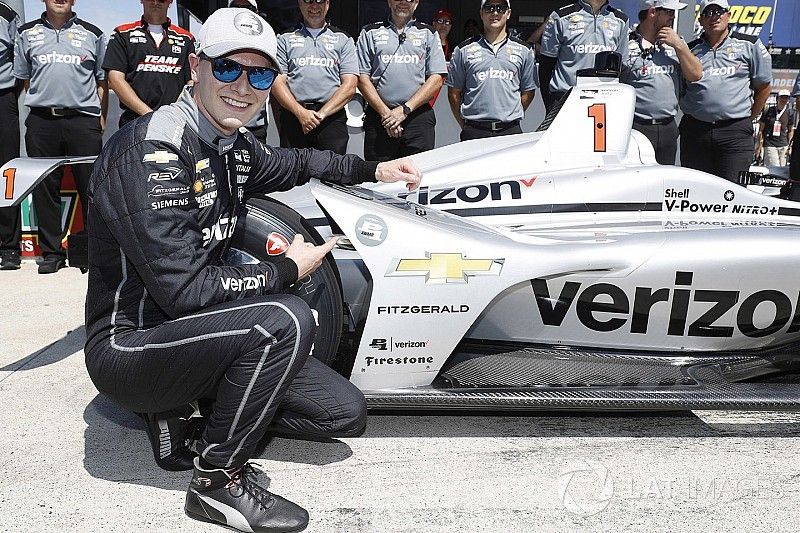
[[495, 74], [54, 57], [312, 61], [590, 48], [400, 58]]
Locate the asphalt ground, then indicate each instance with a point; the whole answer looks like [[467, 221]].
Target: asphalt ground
[[71, 460]]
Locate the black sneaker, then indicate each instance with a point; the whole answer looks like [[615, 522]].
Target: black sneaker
[[9, 260], [170, 436], [52, 264], [234, 499]]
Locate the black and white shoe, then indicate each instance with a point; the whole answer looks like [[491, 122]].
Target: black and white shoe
[[171, 437], [237, 500]]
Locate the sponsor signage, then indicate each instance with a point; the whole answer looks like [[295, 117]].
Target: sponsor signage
[[445, 267], [605, 307], [277, 244], [71, 216]]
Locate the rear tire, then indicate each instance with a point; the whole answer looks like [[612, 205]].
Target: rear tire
[[321, 290]]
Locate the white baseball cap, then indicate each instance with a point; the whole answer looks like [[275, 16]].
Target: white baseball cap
[[721, 3], [507, 2], [665, 4], [251, 2], [784, 92], [231, 29]]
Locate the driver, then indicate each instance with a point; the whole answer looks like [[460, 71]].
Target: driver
[[168, 323]]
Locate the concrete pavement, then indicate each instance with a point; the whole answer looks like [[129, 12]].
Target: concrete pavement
[[71, 460]]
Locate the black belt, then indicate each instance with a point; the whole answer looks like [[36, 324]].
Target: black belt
[[723, 122], [313, 106], [654, 121], [55, 111], [491, 125]]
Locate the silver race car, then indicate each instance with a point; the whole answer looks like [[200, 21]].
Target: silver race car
[[561, 269]]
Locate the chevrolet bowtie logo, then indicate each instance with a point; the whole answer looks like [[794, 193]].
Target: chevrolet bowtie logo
[[161, 157], [445, 268]]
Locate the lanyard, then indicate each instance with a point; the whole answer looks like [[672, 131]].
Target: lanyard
[[776, 126]]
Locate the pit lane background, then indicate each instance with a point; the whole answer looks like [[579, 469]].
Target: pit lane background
[[753, 17]]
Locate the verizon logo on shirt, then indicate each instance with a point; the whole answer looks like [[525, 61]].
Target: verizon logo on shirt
[[55, 57], [400, 58], [153, 63]]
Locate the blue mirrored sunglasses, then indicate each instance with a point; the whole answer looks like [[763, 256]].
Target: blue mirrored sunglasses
[[228, 71]]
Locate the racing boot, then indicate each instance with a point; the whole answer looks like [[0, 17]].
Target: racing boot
[[237, 499], [171, 435], [9, 260]]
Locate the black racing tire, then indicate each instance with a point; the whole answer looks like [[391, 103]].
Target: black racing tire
[[321, 290]]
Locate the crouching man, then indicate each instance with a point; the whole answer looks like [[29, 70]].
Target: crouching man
[[168, 323]]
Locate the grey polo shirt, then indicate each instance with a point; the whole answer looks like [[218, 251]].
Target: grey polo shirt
[[573, 35], [398, 69], [63, 66], [491, 81], [314, 66], [655, 73], [9, 22], [724, 92]]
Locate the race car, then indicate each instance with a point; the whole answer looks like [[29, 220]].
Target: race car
[[560, 269]]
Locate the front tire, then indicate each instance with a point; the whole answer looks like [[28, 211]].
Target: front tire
[[321, 289]]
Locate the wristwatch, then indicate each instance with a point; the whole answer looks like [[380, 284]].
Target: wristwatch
[[406, 109]]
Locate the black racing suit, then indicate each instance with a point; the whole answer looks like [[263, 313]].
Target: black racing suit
[[167, 322]]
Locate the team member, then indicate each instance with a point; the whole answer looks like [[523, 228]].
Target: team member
[[401, 67], [794, 156], [443, 22], [147, 61], [168, 322], [252, 5], [492, 78], [321, 73], [719, 109], [10, 223], [59, 57], [573, 35], [776, 131], [657, 56]]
